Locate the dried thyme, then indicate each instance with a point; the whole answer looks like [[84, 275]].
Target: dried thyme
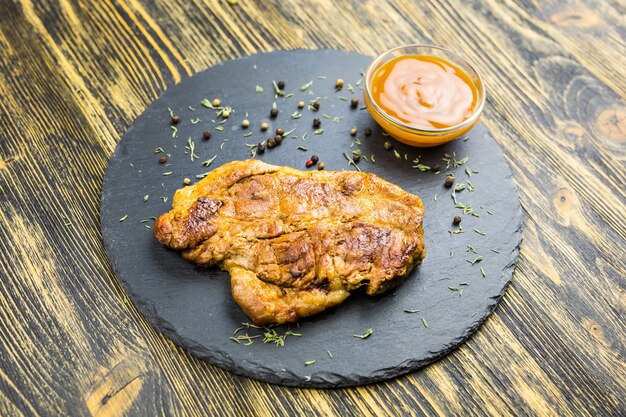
[[209, 161], [191, 147], [351, 161], [279, 92], [306, 86], [365, 335]]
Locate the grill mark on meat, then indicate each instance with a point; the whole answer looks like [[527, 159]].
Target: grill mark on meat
[[351, 185], [202, 210], [320, 284], [198, 224]]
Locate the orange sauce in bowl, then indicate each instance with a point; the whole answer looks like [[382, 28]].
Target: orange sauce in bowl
[[425, 92]]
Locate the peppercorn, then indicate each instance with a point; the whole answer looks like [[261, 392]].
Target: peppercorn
[[162, 160], [317, 123], [435, 168], [206, 135], [449, 181], [315, 158], [216, 102], [354, 103], [245, 123], [456, 220], [388, 145], [264, 126], [338, 83], [274, 112], [225, 114], [309, 163], [175, 120], [321, 166], [353, 131], [301, 104], [260, 148], [186, 181], [367, 131], [356, 158], [271, 143], [281, 85], [316, 105], [280, 131], [278, 139]]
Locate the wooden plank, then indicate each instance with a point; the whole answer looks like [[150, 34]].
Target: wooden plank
[[73, 76]]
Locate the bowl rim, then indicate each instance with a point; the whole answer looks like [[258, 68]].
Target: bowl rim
[[412, 129]]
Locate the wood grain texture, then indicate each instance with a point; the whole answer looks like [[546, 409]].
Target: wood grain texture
[[74, 75]]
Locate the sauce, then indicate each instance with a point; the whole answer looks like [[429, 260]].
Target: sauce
[[424, 91]]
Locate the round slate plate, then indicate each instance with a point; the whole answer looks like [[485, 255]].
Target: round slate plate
[[193, 306]]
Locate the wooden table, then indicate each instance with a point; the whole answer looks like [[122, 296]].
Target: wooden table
[[73, 76]]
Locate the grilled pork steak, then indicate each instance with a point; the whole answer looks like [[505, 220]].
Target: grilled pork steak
[[296, 243]]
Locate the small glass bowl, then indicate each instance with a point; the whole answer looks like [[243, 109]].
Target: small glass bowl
[[415, 136]]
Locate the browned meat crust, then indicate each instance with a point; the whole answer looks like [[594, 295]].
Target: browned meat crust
[[295, 242]]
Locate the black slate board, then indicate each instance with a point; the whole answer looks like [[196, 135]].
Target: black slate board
[[193, 306]]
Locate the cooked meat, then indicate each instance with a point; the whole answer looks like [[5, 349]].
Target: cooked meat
[[296, 243]]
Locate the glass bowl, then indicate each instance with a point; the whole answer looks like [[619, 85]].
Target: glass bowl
[[419, 136]]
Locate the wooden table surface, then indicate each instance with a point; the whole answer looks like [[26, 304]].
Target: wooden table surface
[[74, 75]]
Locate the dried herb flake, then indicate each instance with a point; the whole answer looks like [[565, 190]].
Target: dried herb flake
[[365, 335]]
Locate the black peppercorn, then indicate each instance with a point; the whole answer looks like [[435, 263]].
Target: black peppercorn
[[278, 139], [280, 84], [367, 131], [388, 145], [260, 148], [449, 181], [271, 142], [162, 160], [280, 131], [175, 120], [206, 135], [315, 158], [435, 168], [354, 103], [456, 220], [317, 123], [316, 105], [356, 158], [274, 112]]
